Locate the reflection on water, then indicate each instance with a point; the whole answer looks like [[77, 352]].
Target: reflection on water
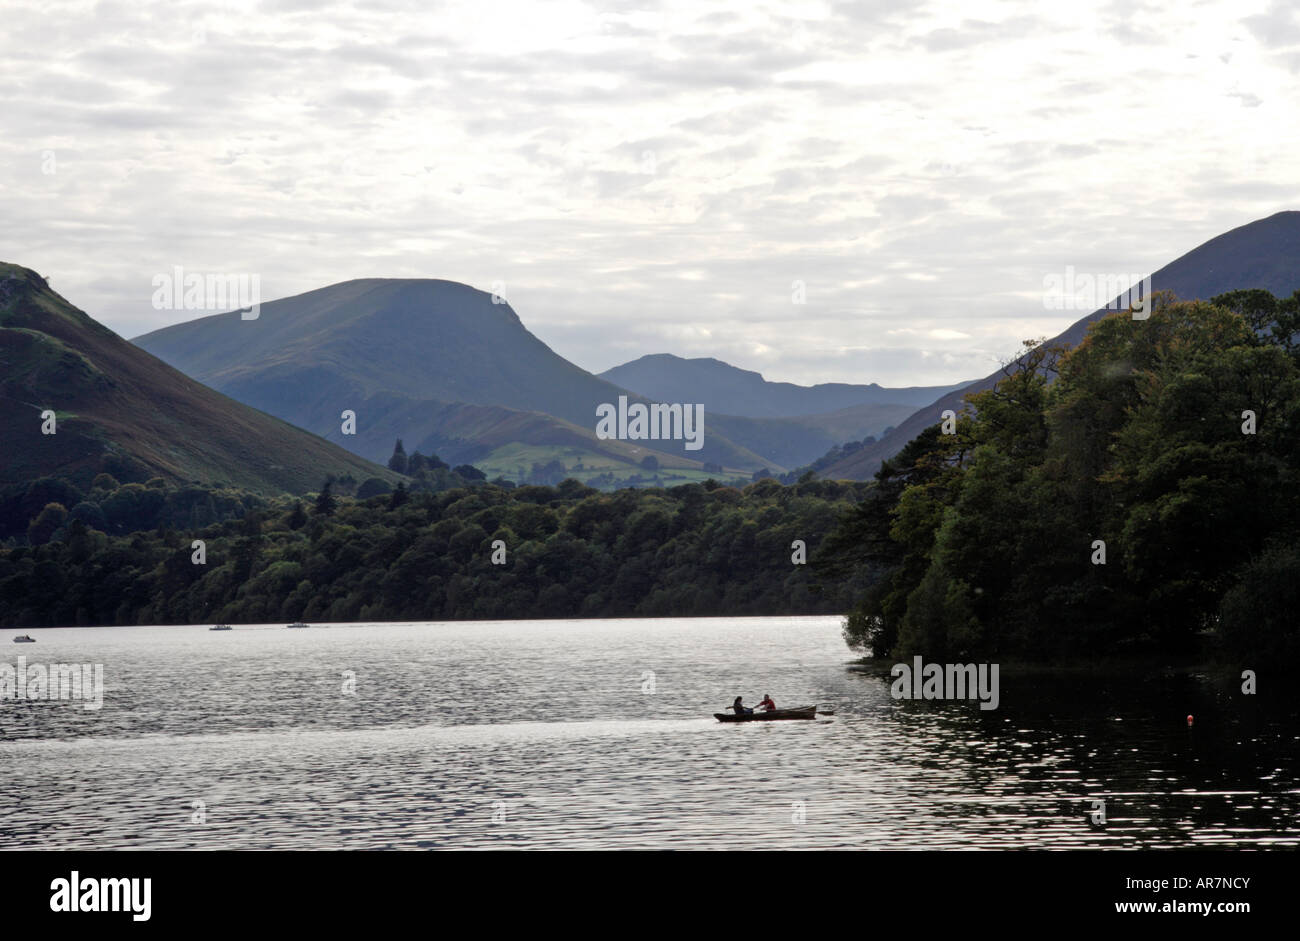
[[539, 734]]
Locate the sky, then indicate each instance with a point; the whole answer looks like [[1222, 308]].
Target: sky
[[819, 191]]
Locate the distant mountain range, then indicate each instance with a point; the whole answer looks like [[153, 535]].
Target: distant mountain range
[[1262, 254], [733, 391], [122, 411], [450, 370]]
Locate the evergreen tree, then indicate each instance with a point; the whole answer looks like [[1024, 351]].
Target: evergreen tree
[[325, 501], [399, 497], [398, 462]]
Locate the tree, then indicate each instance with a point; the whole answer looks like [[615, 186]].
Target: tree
[[571, 489], [133, 507], [373, 487], [325, 501], [650, 462], [91, 515], [1258, 613], [399, 497], [1170, 441], [297, 518], [398, 462], [46, 523]]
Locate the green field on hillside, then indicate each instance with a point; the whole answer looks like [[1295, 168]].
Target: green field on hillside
[[516, 461]]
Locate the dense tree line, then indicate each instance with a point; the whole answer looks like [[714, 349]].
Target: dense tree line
[[1138, 491], [569, 550], [41, 510]]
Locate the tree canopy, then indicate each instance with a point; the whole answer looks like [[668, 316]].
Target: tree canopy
[[1135, 502]]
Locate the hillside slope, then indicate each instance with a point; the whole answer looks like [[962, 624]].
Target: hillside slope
[[123, 411], [407, 355], [1262, 254]]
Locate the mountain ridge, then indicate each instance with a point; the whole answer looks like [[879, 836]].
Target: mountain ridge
[[732, 390], [122, 411], [435, 345], [1260, 254]]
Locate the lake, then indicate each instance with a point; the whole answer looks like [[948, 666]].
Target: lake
[[594, 734]]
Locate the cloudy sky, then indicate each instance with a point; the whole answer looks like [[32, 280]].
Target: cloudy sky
[[649, 178]]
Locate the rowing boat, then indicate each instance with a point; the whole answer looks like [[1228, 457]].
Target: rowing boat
[[798, 712]]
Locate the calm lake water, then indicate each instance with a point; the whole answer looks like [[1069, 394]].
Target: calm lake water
[[539, 734]]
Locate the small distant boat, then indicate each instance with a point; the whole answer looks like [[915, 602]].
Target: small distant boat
[[297, 624], [24, 639], [220, 627], [798, 712]]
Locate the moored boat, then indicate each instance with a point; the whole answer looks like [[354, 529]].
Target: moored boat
[[798, 712], [220, 627], [24, 639], [297, 624]]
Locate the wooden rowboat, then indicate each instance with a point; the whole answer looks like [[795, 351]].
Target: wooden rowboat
[[798, 712]]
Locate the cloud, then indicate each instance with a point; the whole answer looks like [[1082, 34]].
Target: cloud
[[649, 177], [1279, 25]]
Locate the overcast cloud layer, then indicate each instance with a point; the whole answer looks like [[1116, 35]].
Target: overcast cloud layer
[[650, 178]]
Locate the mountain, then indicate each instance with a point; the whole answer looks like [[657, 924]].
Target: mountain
[[120, 410], [420, 339], [424, 360], [786, 443], [1262, 254], [506, 442], [730, 390]]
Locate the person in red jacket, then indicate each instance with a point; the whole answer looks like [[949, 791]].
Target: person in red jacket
[[767, 705]]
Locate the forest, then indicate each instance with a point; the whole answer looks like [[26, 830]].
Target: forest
[[1137, 492], [473, 550]]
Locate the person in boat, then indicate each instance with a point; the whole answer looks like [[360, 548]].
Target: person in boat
[[767, 705], [740, 709]]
